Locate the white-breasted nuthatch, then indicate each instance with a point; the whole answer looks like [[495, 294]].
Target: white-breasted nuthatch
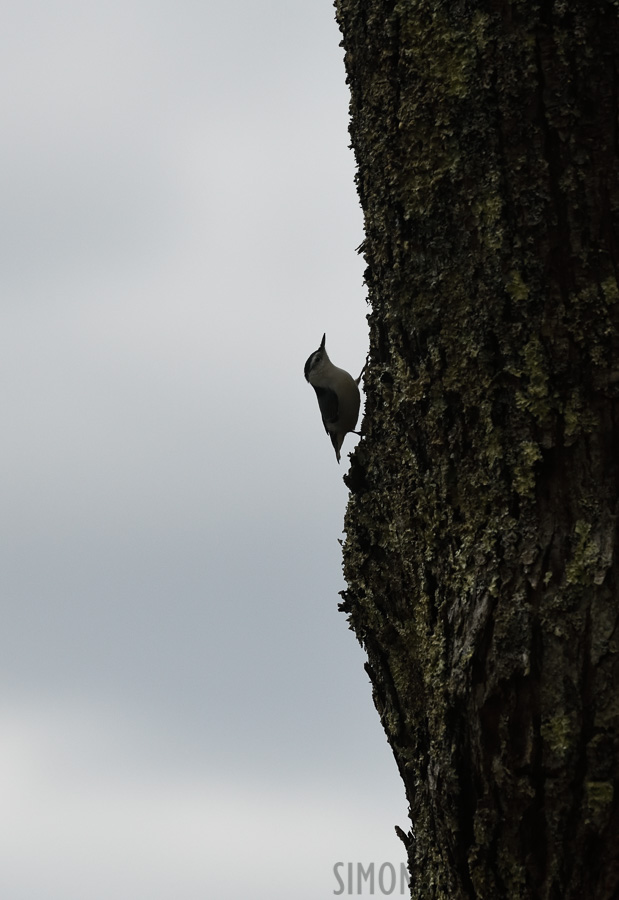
[[337, 393]]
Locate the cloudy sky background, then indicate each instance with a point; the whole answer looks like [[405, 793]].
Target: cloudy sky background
[[184, 712]]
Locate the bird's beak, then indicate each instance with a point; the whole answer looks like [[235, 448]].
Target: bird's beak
[[322, 343]]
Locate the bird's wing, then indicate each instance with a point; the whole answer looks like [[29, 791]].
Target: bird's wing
[[329, 407]]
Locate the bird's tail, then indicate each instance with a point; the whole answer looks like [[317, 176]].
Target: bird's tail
[[337, 440]]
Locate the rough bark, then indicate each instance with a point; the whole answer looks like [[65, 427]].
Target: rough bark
[[481, 553]]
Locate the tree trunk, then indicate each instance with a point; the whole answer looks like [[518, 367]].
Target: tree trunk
[[481, 554]]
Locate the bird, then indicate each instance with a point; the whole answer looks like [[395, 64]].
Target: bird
[[337, 393]]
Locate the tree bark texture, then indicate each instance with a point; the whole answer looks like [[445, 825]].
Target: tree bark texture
[[481, 554]]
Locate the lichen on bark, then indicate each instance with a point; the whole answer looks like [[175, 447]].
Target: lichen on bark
[[480, 558]]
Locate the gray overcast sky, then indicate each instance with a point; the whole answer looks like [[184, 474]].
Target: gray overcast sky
[[184, 712]]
